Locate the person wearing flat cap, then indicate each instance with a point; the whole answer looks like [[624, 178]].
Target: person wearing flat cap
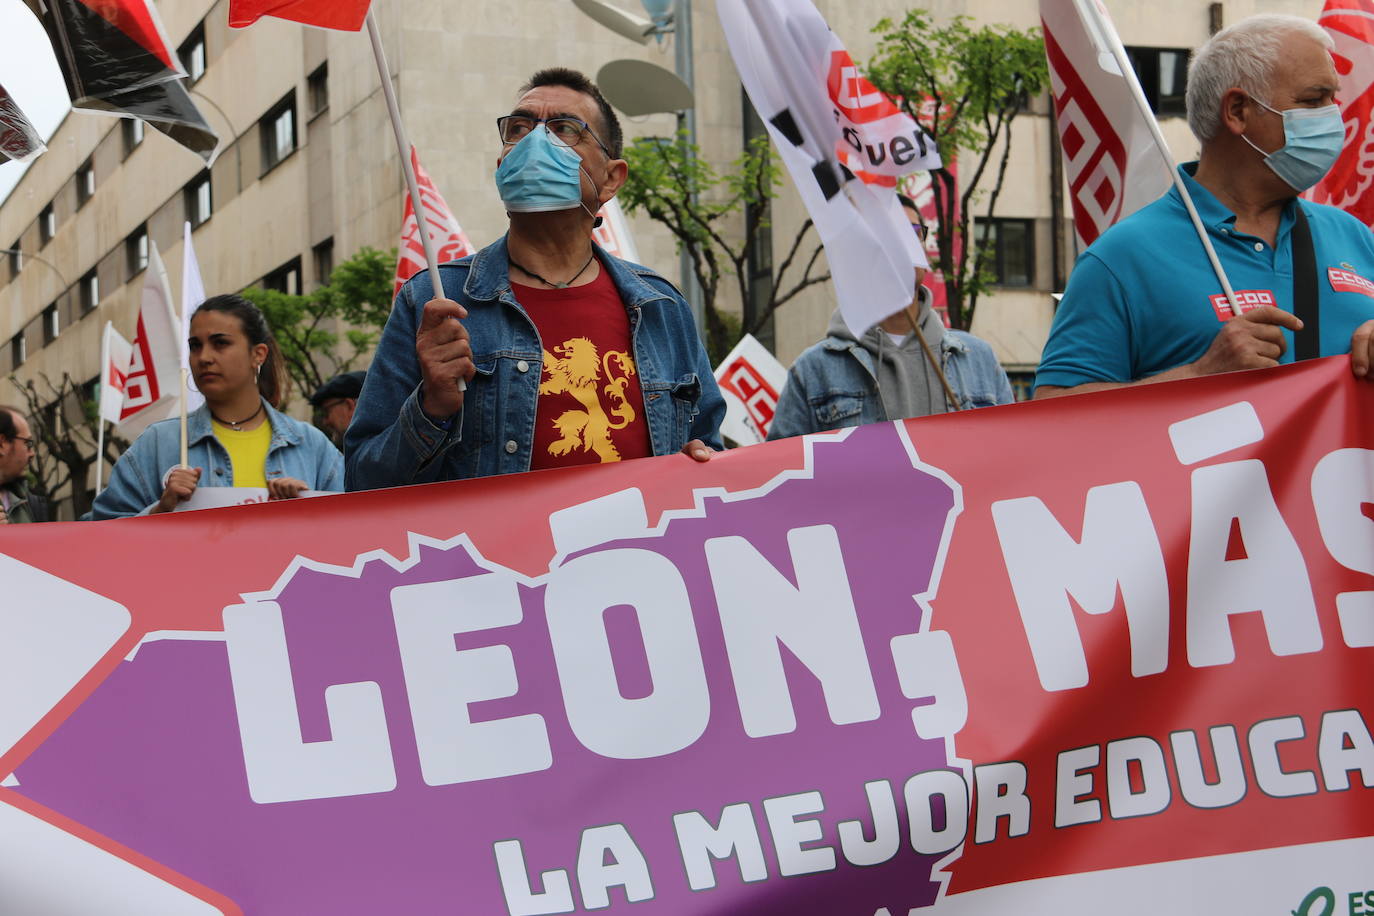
[[336, 400]]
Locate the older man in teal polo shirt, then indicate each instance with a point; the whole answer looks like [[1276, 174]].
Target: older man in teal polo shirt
[[1143, 304]]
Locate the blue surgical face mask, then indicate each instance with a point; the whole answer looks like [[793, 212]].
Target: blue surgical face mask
[[537, 175], [1312, 141]]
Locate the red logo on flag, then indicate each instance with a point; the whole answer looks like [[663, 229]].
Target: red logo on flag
[[858, 99], [746, 383], [1094, 156], [140, 383], [1247, 299]]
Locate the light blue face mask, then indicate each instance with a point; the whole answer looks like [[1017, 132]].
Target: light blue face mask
[[1312, 141], [537, 175]]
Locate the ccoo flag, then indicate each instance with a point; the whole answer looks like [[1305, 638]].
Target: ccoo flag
[[153, 381], [1350, 183], [750, 380], [116, 354], [450, 242], [347, 15], [115, 59], [1110, 158], [826, 122]]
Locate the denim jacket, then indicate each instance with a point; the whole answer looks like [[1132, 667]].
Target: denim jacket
[[833, 384], [392, 443], [296, 450]]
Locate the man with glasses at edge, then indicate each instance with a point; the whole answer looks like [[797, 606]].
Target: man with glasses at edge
[[17, 504], [907, 365], [569, 355]]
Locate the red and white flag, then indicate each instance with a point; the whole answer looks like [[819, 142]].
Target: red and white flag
[[450, 242], [750, 380], [326, 14], [1111, 161], [153, 381], [115, 356], [613, 235], [1350, 183]]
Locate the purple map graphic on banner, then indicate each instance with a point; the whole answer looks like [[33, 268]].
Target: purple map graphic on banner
[[805, 780]]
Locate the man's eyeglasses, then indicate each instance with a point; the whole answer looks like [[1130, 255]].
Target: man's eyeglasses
[[921, 230], [26, 440], [562, 131]]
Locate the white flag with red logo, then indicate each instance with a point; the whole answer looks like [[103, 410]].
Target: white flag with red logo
[[152, 384], [613, 234], [1350, 183], [750, 380], [1111, 161], [831, 128], [115, 355], [450, 242]]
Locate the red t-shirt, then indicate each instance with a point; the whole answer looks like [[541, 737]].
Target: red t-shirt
[[590, 408]]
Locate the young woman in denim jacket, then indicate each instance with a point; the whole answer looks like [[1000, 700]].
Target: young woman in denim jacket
[[237, 367]]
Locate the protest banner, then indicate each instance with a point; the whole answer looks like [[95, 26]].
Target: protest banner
[[1106, 653], [750, 380]]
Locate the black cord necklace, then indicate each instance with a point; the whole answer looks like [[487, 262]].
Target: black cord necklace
[[237, 426], [550, 283]]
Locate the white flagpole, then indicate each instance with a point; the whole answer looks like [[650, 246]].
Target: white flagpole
[[100, 417], [1107, 38], [403, 147]]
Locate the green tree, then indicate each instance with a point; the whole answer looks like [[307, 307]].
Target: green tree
[[357, 297], [65, 425], [966, 86], [672, 184]]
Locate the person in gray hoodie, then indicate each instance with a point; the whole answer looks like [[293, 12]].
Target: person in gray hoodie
[[890, 372]]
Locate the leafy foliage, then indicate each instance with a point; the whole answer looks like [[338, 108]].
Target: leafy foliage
[[966, 86], [672, 184], [330, 330]]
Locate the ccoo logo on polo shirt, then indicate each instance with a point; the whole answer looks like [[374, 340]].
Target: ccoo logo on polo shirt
[[1343, 279]]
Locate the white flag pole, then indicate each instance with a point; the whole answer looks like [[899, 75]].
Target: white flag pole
[[1106, 37], [100, 417], [403, 147]]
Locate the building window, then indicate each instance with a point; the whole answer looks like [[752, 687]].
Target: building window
[[90, 291], [199, 204], [192, 54], [1006, 249], [51, 324], [16, 260], [324, 261], [278, 131], [1163, 74], [285, 279], [136, 250], [133, 134], [317, 84], [85, 183], [18, 351], [47, 224]]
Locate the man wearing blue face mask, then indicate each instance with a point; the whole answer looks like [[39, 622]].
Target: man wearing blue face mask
[[548, 352], [1143, 304]]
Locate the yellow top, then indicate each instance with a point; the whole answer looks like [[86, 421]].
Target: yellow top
[[247, 452]]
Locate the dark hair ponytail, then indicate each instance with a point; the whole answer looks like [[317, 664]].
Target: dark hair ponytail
[[272, 376]]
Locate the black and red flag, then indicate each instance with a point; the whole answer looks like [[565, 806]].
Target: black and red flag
[[18, 140], [115, 58], [347, 15]]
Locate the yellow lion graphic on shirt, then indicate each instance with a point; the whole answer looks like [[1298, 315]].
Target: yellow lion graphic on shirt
[[578, 370]]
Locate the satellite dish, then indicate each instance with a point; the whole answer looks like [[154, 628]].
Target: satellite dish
[[635, 28], [638, 87]]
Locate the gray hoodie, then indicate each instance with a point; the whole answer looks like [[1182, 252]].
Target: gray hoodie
[[907, 385]]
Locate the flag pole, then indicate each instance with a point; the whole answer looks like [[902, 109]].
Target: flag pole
[[404, 148], [100, 418], [1108, 38]]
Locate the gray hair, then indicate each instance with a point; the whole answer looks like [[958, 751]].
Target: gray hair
[[1241, 56]]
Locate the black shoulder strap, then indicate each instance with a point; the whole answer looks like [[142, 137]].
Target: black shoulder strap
[[1307, 342]]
